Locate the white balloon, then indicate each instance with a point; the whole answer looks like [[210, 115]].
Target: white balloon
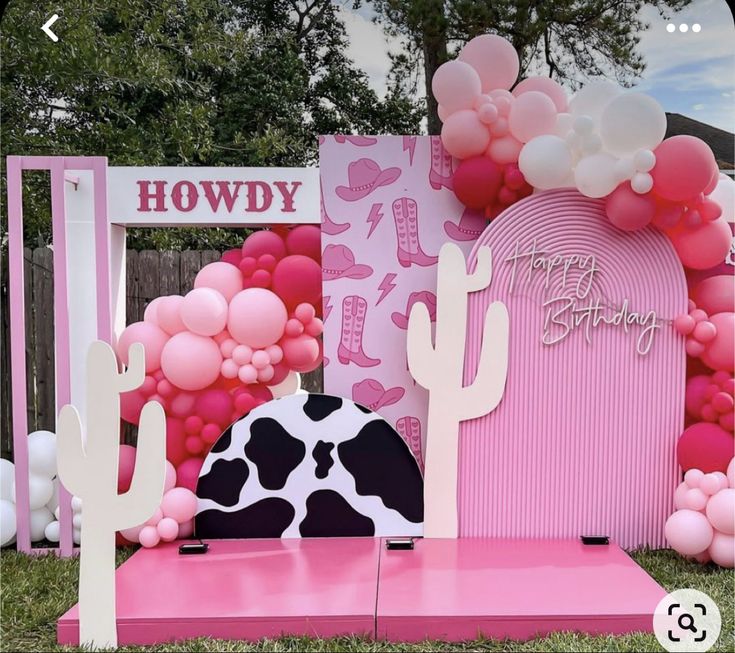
[[76, 520], [624, 168], [52, 532], [7, 479], [595, 175], [76, 536], [53, 503], [644, 160], [39, 520], [591, 143], [564, 124], [724, 195], [631, 122], [545, 161], [42, 453], [641, 183], [584, 125], [290, 385], [76, 504], [7, 522], [40, 491], [592, 98], [56, 513]]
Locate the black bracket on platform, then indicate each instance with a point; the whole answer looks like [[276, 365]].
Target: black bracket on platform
[[399, 544], [595, 540]]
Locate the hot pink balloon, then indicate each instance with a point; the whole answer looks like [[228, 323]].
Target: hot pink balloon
[[547, 86], [125, 467], [187, 473], [464, 135], [264, 242], [170, 480], [704, 246], [223, 277], [257, 318], [191, 361], [683, 168], [456, 85], [182, 404], [719, 353], [204, 311], [628, 210], [695, 394], [215, 406], [169, 314], [131, 403], [494, 59], [296, 279], [305, 240], [301, 353], [716, 294], [179, 504], [150, 336], [688, 532], [532, 114]]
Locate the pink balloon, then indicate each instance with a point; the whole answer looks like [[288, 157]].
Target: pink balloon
[[257, 318], [721, 511], [716, 294], [494, 59], [169, 314], [132, 534], [693, 499], [683, 168], [204, 311], [705, 446], [187, 473], [547, 86], [191, 361], [151, 311], [150, 336], [719, 353], [131, 403], [168, 529], [688, 532], [180, 504], [703, 246], [182, 404], [731, 473], [215, 406], [532, 114], [149, 537], [186, 529], [297, 279], [264, 242], [154, 518], [504, 150], [464, 135], [305, 240], [125, 467], [232, 256], [695, 399], [722, 550], [456, 85], [628, 210], [301, 353], [223, 277], [170, 481]]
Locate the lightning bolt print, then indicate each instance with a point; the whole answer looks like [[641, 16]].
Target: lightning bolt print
[[326, 307], [386, 286], [409, 145], [374, 217]]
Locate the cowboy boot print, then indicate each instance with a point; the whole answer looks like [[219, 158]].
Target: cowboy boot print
[[440, 173], [354, 310], [328, 227], [406, 217], [409, 429]]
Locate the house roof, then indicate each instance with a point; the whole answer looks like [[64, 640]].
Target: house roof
[[721, 142]]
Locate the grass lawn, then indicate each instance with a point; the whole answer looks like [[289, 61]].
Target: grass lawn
[[35, 591]]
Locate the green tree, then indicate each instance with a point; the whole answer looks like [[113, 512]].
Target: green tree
[[571, 39], [182, 82]]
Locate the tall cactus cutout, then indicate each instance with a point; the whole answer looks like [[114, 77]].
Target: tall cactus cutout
[[88, 468], [439, 367]]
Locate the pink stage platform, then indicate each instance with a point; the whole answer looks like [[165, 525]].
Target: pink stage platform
[[443, 589]]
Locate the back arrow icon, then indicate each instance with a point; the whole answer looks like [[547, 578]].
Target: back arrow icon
[[47, 27]]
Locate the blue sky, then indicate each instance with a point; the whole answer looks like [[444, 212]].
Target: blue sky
[[692, 73]]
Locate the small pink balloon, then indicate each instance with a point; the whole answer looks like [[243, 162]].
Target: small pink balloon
[[242, 354], [680, 495], [194, 445], [464, 135], [227, 347], [132, 534], [191, 361], [125, 467], [721, 511], [247, 374], [532, 114], [688, 532], [168, 529], [149, 537], [684, 324], [229, 369], [170, 477], [722, 402], [628, 210], [150, 336], [182, 404], [722, 550], [693, 477], [694, 499], [260, 359], [180, 504], [705, 331], [186, 529], [264, 242], [294, 328], [494, 59], [305, 313], [169, 314], [257, 317], [504, 150], [187, 473], [719, 353], [220, 276], [266, 374], [455, 85], [214, 407], [204, 311], [487, 113], [275, 354], [544, 85], [151, 311], [300, 352], [154, 518], [211, 431], [694, 348]]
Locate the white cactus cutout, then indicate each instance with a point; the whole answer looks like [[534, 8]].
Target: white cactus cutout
[[88, 468], [439, 368]]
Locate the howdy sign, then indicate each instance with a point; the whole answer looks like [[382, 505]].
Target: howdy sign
[[213, 196]]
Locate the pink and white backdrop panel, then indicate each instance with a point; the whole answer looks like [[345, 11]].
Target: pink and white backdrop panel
[[387, 208]]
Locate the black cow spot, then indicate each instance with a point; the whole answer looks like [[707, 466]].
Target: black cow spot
[[323, 456], [329, 515], [265, 518], [275, 452], [317, 407], [363, 409], [382, 465], [224, 481], [223, 442]]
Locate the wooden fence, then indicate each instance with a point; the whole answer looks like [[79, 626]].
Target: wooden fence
[[150, 274]]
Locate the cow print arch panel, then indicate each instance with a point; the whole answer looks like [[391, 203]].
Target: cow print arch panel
[[310, 465]]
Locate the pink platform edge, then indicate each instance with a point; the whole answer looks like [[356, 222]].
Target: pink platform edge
[[444, 589]]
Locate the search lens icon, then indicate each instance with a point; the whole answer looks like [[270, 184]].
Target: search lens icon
[[688, 620]]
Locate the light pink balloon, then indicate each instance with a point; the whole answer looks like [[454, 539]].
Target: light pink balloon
[[186, 529], [150, 336], [149, 537], [464, 135], [547, 86], [204, 311], [151, 311], [190, 361], [721, 511], [494, 59], [680, 495], [532, 114], [170, 477], [169, 314], [220, 276], [257, 317], [168, 529], [442, 113], [712, 483], [722, 550], [154, 518], [688, 532], [456, 85], [731, 473], [180, 504], [694, 499], [132, 534], [719, 354], [504, 150]]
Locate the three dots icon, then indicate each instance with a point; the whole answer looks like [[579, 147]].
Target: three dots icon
[[683, 28]]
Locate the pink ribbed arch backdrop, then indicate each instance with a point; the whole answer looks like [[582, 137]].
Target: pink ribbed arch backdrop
[[583, 441]]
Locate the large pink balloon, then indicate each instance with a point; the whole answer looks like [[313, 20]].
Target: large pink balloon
[[688, 532], [494, 59], [683, 168], [220, 276], [125, 467], [722, 550], [703, 246], [719, 354], [629, 210], [532, 114], [257, 317], [721, 511], [191, 361], [716, 294], [204, 310], [456, 85], [150, 336], [463, 135], [504, 150], [151, 311], [169, 314], [179, 504], [264, 242], [547, 86]]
